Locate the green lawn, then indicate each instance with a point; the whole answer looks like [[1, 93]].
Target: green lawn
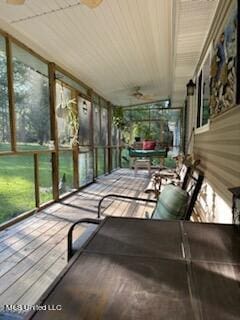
[[17, 191], [16, 186]]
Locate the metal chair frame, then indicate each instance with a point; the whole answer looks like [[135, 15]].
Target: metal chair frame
[[192, 199]]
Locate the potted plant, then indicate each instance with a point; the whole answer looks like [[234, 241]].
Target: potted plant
[[148, 143]]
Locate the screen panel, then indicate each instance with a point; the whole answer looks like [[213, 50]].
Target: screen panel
[[104, 126], [85, 132], [65, 171], [96, 121], [64, 97], [31, 92], [85, 168], [5, 137], [17, 191], [45, 177], [101, 161]]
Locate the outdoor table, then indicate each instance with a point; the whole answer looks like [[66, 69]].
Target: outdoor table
[[147, 269]]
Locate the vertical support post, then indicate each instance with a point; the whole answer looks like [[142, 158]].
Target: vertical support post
[[100, 134], [119, 148], [104, 157], [96, 161], [161, 139], [36, 179], [183, 128], [92, 129], [109, 138], [190, 118], [120, 156], [238, 54], [75, 168], [54, 133], [75, 148], [11, 99]]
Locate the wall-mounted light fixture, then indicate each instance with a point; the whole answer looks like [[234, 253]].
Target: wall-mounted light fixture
[[190, 88], [84, 107]]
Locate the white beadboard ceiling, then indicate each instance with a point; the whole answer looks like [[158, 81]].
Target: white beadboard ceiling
[[120, 45], [193, 19]]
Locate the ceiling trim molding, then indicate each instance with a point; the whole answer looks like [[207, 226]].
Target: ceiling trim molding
[[175, 19]]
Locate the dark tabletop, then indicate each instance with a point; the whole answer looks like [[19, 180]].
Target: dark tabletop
[[145, 269]]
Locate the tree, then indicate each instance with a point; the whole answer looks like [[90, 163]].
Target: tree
[[4, 112], [32, 104]]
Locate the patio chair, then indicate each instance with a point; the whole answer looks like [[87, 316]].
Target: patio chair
[[72, 247], [178, 176], [180, 179], [174, 203]]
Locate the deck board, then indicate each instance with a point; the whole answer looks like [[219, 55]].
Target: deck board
[[33, 252]]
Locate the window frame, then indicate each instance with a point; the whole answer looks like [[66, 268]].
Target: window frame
[[199, 117]]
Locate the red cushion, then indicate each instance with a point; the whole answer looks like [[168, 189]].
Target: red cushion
[[149, 145]]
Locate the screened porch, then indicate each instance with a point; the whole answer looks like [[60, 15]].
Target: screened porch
[[122, 117]]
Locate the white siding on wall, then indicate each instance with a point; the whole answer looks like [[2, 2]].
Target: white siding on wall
[[219, 151]]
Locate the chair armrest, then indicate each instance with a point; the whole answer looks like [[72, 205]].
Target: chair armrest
[[70, 233], [123, 197]]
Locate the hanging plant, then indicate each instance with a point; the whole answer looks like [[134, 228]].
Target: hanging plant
[[67, 109], [61, 111], [62, 107], [118, 117], [73, 120]]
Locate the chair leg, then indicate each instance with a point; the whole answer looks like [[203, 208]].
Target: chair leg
[[135, 169], [149, 169]]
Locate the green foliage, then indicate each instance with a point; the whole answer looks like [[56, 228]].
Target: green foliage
[[4, 114], [118, 118], [137, 129], [149, 122], [148, 134], [31, 103]]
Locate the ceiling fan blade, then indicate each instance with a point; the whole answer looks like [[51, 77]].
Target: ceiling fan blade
[[147, 98], [91, 3], [15, 2], [137, 95]]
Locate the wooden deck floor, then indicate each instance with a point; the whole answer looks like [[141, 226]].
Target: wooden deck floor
[[33, 252]]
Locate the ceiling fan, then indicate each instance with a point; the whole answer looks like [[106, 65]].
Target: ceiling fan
[[90, 3], [17, 2], [140, 96]]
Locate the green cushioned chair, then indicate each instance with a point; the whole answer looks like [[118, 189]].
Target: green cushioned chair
[[172, 203]]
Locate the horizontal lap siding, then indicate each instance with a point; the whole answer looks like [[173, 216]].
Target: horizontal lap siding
[[219, 151]]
